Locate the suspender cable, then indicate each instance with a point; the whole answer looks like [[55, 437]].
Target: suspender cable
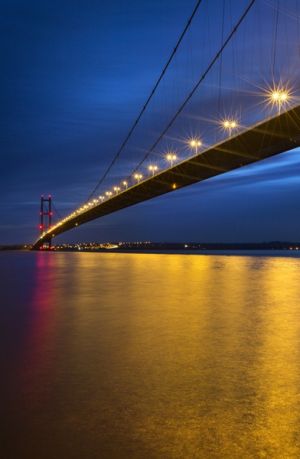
[[221, 60], [148, 99], [201, 79], [275, 40]]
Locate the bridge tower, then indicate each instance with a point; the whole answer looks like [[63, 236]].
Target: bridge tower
[[46, 217]]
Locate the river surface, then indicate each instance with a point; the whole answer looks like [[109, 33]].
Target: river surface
[[149, 356]]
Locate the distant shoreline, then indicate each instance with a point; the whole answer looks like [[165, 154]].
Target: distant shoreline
[[265, 248]]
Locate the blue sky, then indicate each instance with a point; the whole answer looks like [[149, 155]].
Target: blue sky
[[74, 76]]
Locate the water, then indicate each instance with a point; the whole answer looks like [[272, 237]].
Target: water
[[149, 356]]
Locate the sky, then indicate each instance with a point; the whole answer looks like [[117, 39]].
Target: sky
[[74, 76]]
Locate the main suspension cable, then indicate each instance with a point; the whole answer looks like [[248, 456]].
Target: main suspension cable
[[201, 79], [148, 99]]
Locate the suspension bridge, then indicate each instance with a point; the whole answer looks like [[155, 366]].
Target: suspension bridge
[[258, 120]]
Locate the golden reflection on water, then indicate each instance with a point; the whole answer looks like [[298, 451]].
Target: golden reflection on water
[[166, 356]]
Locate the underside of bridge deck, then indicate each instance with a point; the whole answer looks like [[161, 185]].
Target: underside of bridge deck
[[273, 136]]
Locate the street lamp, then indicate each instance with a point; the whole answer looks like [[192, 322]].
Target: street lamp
[[171, 157], [279, 96], [195, 144], [125, 184], [153, 168], [138, 177], [229, 125], [116, 189]]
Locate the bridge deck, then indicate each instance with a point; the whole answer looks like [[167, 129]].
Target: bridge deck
[[276, 135]]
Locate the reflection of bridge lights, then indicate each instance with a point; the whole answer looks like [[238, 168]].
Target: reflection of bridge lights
[[171, 157], [153, 168]]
